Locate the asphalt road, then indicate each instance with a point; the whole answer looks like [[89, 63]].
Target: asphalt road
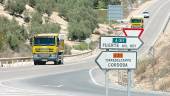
[[77, 83], [159, 12], [72, 79]]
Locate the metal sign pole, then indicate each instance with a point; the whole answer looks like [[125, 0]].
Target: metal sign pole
[[107, 83], [129, 82]]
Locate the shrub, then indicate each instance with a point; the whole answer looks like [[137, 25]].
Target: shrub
[[27, 19], [93, 45], [15, 6], [78, 31], [13, 42], [36, 18], [102, 16], [81, 16], [45, 6], [32, 3], [2, 40], [1, 1], [142, 66], [81, 46], [67, 50], [45, 28], [13, 33], [165, 85]]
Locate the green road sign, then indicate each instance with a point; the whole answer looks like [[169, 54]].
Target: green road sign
[[119, 40]]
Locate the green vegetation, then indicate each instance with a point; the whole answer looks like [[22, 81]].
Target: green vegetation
[[45, 28], [81, 46], [81, 16], [93, 45], [38, 27], [36, 18], [11, 34], [84, 46], [142, 66], [102, 4], [102, 16], [2, 39], [1, 1], [45, 6], [67, 49], [15, 6]]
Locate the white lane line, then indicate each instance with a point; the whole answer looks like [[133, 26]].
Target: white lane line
[[45, 85], [92, 78], [13, 91], [59, 86]]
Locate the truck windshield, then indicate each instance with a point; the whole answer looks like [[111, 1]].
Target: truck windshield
[[44, 41], [136, 20]]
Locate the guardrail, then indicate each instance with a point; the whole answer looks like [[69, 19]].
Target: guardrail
[[9, 61], [14, 60]]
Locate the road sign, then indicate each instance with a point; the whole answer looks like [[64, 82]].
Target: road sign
[[115, 12], [117, 60], [120, 42], [133, 31]]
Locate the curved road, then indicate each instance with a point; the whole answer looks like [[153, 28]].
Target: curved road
[[72, 79]]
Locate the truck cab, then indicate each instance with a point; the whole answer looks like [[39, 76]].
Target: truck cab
[[47, 47], [137, 22]]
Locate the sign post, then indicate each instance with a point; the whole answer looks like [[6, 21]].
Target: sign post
[[126, 56], [129, 82], [107, 82]]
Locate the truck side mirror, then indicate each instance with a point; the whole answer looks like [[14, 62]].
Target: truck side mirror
[[58, 41], [31, 41]]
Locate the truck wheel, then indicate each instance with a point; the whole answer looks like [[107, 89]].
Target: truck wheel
[[61, 61], [36, 63], [55, 62]]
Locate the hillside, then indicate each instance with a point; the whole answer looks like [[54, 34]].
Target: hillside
[[77, 19], [23, 18], [154, 73]]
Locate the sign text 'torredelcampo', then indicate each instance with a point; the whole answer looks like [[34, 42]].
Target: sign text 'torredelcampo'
[[117, 60]]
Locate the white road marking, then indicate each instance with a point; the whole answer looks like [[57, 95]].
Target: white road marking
[[92, 78], [59, 86]]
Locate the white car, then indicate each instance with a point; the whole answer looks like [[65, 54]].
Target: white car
[[145, 14]]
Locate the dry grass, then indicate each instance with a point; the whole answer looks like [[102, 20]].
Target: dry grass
[[165, 84], [142, 66]]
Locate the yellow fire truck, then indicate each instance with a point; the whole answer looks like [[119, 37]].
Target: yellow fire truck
[[47, 47]]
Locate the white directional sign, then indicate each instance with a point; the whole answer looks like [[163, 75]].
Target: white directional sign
[[120, 42], [133, 31], [117, 60]]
